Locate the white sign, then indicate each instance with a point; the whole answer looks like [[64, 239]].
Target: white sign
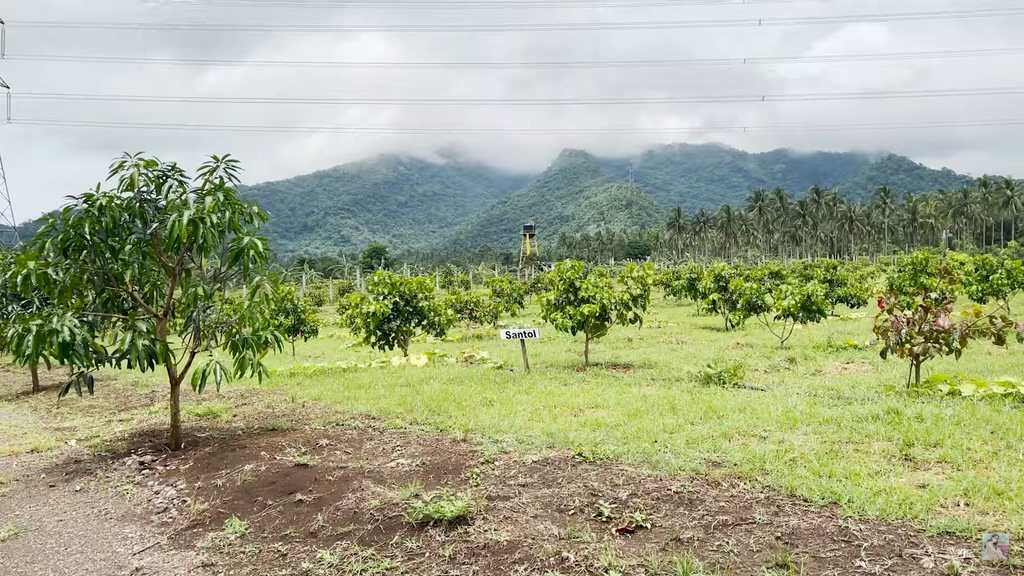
[[519, 334]]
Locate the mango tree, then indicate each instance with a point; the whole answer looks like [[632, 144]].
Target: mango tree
[[393, 310], [149, 264], [591, 301]]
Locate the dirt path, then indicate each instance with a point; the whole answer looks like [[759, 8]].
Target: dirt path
[[61, 526]]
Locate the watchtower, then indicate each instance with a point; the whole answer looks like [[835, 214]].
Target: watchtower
[[529, 252]]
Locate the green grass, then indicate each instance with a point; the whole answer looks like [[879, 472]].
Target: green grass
[[442, 507], [209, 410], [826, 427]]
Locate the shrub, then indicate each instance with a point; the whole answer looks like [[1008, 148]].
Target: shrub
[[992, 278], [683, 283]]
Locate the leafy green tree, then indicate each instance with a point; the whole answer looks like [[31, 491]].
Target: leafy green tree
[[990, 277], [143, 272], [722, 288], [395, 308], [375, 256], [794, 303], [453, 278], [683, 283], [591, 301], [296, 317], [37, 333], [474, 308], [508, 294]]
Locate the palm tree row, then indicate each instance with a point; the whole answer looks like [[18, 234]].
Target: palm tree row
[[772, 223]]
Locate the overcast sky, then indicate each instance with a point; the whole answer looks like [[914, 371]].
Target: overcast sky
[[46, 163]]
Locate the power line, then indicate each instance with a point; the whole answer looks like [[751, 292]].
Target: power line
[[479, 5], [533, 27], [504, 101], [368, 130], [523, 64]]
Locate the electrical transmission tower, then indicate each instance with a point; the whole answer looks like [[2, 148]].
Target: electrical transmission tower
[[8, 223]]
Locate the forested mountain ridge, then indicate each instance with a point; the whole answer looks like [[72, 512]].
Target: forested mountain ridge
[[575, 194], [401, 201], [414, 204]]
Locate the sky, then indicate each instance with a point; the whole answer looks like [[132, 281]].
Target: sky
[[45, 163]]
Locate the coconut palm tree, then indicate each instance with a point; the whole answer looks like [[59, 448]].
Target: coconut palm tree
[[676, 229], [1011, 202], [884, 208]]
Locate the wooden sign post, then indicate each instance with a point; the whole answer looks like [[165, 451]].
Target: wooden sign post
[[521, 334]]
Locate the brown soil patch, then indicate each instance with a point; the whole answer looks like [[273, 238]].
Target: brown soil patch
[[327, 501]]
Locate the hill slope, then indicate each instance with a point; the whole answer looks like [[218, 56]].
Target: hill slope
[[709, 175], [401, 201], [574, 194]]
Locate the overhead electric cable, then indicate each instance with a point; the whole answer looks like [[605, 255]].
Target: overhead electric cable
[[506, 101], [526, 64], [527, 27], [383, 130], [477, 4]]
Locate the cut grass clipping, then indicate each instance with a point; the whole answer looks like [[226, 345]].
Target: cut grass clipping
[[439, 508]]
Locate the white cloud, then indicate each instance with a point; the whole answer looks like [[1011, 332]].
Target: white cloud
[[46, 163]]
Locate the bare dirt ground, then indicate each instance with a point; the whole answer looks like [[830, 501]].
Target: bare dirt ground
[[257, 494]]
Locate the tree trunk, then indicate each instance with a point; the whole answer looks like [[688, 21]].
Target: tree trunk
[[34, 370], [293, 348], [586, 351], [174, 440]]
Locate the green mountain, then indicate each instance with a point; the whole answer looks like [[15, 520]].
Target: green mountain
[[575, 194], [413, 204], [709, 175], [401, 201]]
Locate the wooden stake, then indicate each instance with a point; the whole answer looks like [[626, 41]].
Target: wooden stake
[[526, 361]]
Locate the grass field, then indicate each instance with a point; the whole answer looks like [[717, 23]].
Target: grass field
[[824, 424]]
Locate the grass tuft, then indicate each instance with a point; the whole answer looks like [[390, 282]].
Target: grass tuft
[[442, 507]]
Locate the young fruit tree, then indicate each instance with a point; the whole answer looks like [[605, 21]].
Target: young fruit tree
[[988, 277], [927, 329], [150, 265], [722, 287], [393, 309], [473, 308], [591, 301], [791, 304], [37, 333], [508, 294], [296, 317]]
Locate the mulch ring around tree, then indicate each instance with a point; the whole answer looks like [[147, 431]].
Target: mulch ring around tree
[[338, 500]]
